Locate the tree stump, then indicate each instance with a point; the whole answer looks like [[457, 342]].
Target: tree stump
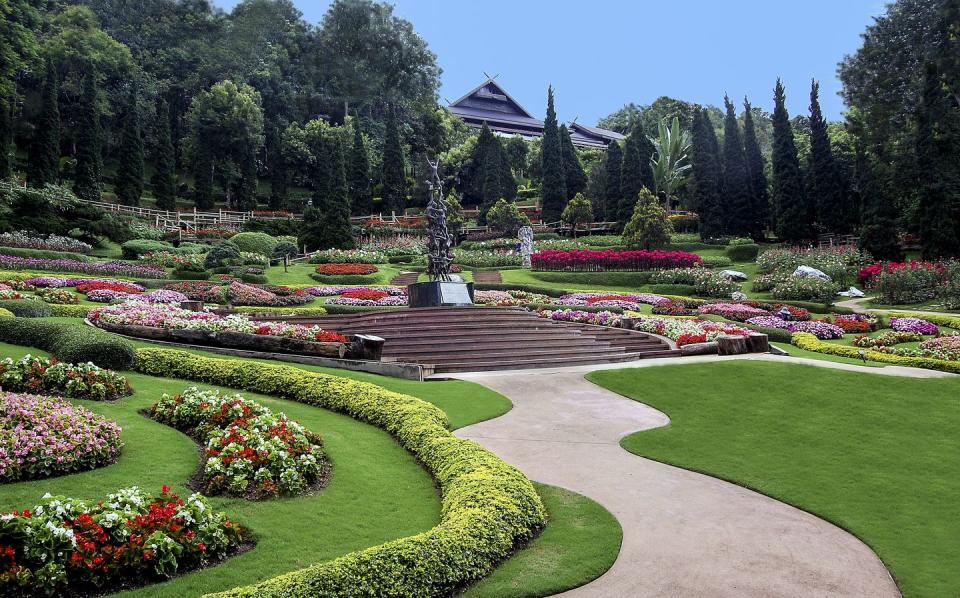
[[627, 323], [699, 349], [366, 346], [758, 342], [728, 344], [192, 305]]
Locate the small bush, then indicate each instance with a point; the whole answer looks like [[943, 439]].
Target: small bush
[[221, 254], [255, 242], [806, 289], [907, 285], [69, 342], [285, 248], [742, 253], [190, 275], [137, 247], [716, 261], [26, 308]]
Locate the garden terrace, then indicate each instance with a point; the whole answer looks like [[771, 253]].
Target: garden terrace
[[490, 338]]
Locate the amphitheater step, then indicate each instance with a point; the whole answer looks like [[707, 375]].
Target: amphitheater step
[[405, 278], [488, 277]]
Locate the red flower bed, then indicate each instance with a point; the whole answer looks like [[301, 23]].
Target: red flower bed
[[588, 260], [120, 287], [369, 295], [345, 269], [327, 336], [868, 273], [689, 339]]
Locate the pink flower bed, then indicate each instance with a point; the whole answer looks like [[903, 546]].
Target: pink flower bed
[[46, 436], [913, 325], [611, 300], [733, 311], [602, 318], [588, 260], [388, 301], [330, 291], [821, 330]]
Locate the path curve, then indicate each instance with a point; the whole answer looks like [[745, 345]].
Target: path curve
[[684, 533]]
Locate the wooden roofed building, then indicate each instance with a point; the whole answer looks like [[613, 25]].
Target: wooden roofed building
[[490, 103]]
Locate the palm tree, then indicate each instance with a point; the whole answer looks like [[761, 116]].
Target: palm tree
[[669, 162]]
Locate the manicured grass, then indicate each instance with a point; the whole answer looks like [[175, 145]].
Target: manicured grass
[[798, 352], [874, 454], [579, 544]]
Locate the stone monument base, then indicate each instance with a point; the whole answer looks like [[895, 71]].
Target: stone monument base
[[440, 294]]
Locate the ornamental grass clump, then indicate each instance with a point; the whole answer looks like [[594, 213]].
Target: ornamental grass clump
[[72, 380], [66, 546], [249, 450], [44, 436]]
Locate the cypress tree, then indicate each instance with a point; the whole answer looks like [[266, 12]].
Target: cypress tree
[[394, 183], [86, 182], [6, 136], [706, 174], [611, 196], [164, 179], [879, 232], [128, 184], [823, 177], [791, 212], [247, 189], [508, 184], [203, 179], [361, 195], [645, 152], [738, 206], [44, 163], [760, 199], [553, 195], [574, 177], [278, 167], [937, 143], [490, 159], [327, 218], [631, 176]]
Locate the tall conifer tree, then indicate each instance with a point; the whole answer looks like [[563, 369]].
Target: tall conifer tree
[[327, 218], [645, 151], [278, 167], [361, 194], [791, 213], [631, 176], [86, 182], [707, 175], [574, 177], [43, 167], [247, 188], [164, 178], [878, 235], [827, 190], [553, 195], [394, 196], [613, 162], [490, 159], [758, 178], [203, 178], [128, 184], [6, 135], [738, 204]]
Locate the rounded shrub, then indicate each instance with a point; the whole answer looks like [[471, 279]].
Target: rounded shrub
[[26, 308], [71, 343], [6, 313], [222, 253], [255, 242], [137, 247], [190, 275], [746, 252]]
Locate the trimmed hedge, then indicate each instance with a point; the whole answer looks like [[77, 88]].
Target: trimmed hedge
[[189, 275], [609, 279], [507, 286], [489, 508], [743, 253], [45, 254], [71, 343], [281, 311], [809, 342], [27, 308], [681, 290], [778, 335], [70, 311], [6, 313], [255, 242]]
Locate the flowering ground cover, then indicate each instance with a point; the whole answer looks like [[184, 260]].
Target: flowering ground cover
[[587, 260], [249, 450], [26, 240], [240, 293], [855, 322], [914, 325], [625, 301], [686, 331], [601, 318], [38, 374], [820, 329], [733, 311], [9, 262], [332, 290], [886, 339], [128, 538], [348, 256], [58, 296], [865, 452], [510, 298], [381, 301], [45, 436]]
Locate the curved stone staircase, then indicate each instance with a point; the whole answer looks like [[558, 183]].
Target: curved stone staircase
[[469, 339]]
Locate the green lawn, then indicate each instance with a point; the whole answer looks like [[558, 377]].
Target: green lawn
[[876, 455]]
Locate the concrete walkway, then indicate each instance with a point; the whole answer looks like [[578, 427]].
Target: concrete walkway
[[684, 534], [862, 306]]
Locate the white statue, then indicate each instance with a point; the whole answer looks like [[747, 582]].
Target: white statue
[[526, 245]]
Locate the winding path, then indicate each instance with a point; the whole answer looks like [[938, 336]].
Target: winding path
[[684, 533]]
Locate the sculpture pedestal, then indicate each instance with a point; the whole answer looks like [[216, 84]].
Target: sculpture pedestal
[[439, 294]]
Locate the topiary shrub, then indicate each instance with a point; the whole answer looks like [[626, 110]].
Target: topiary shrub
[[137, 247], [285, 248], [716, 261], [746, 252], [221, 254], [255, 242], [26, 308], [73, 343], [648, 227]]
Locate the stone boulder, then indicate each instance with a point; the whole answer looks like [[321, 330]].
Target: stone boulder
[[733, 275], [808, 272]]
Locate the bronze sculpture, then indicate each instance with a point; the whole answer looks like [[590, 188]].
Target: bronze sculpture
[[440, 242]]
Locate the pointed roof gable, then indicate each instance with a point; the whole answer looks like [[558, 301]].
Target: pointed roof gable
[[490, 96]]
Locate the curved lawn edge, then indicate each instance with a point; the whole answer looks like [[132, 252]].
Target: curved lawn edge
[[581, 543], [488, 507]]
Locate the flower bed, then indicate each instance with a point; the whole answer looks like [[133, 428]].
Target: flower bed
[[348, 256], [855, 322], [913, 325], [796, 288], [600, 318], [67, 546], [674, 308], [687, 331], [822, 330], [809, 342], [346, 269], [385, 301], [75, 381], [108, 296], [193, 262], [9, 262], [25, 240], [588, 260], [240, 293], [58, 296], [44, 436], [706, 283], [510, 298], [250, 451], [740, 312], [170, 323], [632, 302], [10, 294], [104, 285], [868, 274], [886, 339], [487, 259], [330, 291], [163, 296], [489, 507]]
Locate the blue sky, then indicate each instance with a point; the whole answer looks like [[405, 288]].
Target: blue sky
[[602, 54]]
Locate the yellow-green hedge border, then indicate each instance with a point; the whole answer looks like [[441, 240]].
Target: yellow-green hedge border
[[809, 342], [69, 311], [488, 507]]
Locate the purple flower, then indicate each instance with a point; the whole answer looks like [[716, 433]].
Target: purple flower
[[913, 325]]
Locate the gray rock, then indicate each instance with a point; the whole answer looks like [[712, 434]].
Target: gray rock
[[733, 275], [738, 296], [855, 292], [808, 272]]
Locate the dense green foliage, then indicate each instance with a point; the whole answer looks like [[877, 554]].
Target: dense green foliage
[[825, 184], [792, 215], [738, 204], [394, 195], [128, 183], [648, 227], [361, 194], [68, 342], [755, 162], [44, 160], [553, 195], [164, 180], [575, 180], [706, 172], [612, 165], [86, 181]]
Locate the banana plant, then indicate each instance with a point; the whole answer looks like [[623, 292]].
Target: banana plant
[[669, 162]]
